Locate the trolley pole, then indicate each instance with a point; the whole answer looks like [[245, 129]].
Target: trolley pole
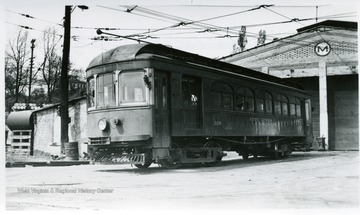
[[31, 67], [64, 82]]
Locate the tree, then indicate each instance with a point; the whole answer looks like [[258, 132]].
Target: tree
[[261, 38], [38, 96], [10, 78], [51, 66], [80, 74], [16, 73], [242, 41], [235, 49]]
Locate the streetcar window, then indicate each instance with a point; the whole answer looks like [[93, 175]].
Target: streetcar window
[[191, 100], [222, 95], [295, 107], [164, 92], [105, 90], [307, 112], [292, 106], [91, 92], [264, 102], [244, 99], [132, 88], [281, 105], [156, 100], [260, 105], [298, 108], [277, 106], [190, 91], [284, 106], [268, 103], [260, 98], [216, 97]]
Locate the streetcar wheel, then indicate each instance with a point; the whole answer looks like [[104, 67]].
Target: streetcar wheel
[[276, 155], [212, 144], [168, 164], [143, 166], [245, 155]]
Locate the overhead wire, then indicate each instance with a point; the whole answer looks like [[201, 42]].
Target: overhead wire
[[231, 14], [235, 6], [227, 35], [129, 12], [30, 28], [317, 32], [32, 17], [179, 22]]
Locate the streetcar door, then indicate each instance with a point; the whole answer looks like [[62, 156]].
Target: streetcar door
[[191, 101], [161, 100]]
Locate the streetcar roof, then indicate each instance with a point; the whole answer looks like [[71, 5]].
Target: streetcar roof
[[132, 52]]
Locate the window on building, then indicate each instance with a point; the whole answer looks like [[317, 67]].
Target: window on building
[[222, 95], [244, 99], [105, 90]]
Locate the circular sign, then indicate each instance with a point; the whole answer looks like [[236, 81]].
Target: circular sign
[[322, 49]]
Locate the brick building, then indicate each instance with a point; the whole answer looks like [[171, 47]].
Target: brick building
[[323, 58]]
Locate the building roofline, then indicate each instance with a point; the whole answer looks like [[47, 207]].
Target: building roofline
[[330, 23], [58, 104], [327, 23]]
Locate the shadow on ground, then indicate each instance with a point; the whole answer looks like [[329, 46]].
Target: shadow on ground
[[236, 163]]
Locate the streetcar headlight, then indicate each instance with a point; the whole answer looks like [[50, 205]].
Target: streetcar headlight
[[102, 124]]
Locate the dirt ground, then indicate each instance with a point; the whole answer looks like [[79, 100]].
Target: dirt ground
[[305, 180]]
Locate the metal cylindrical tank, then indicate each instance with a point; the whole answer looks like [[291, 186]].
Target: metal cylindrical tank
[[71, 151], [21, 120]]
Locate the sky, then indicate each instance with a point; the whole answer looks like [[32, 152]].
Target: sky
[[213, 33]]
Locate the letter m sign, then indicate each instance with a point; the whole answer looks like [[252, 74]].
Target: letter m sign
[[322, 49]]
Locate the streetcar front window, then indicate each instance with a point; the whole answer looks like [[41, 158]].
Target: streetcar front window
[[132, 88], [91, 92], [105, 90]]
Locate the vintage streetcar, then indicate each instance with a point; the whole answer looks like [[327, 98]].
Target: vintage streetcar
[[149, 103]]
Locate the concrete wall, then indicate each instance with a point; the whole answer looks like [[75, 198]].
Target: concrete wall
[[47, 128]]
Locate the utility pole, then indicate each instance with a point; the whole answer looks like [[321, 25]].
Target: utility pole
[[31, 66], [64, 96]]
